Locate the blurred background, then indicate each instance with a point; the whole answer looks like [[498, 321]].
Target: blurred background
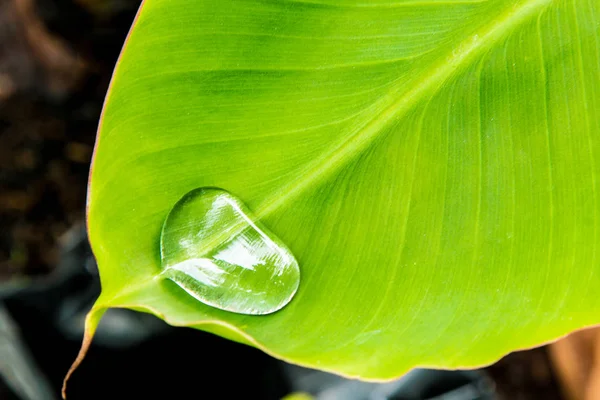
[[56, 59]]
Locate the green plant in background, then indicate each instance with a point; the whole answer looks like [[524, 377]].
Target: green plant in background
[[431, 168]]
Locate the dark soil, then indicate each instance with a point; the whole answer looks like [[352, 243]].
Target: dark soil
[[56, 59]]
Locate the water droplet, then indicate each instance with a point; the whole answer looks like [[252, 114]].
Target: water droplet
[[213, 248]]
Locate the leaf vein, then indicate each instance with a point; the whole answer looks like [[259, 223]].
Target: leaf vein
[[395, 104]]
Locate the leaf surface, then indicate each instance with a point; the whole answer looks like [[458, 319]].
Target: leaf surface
[[433, 166]]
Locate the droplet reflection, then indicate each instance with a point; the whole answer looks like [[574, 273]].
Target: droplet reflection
[[213, 248]]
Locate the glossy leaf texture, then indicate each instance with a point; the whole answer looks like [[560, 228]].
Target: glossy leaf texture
[[432, 165]]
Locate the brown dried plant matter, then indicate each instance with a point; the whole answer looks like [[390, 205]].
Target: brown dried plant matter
[[576, 360], [30, 56]]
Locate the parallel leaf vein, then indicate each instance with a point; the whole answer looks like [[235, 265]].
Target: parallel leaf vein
[[395, 104]]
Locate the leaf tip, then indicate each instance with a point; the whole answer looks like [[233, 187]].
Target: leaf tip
[[91, 323]]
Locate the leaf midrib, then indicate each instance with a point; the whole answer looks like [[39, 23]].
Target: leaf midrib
[[394, 107]]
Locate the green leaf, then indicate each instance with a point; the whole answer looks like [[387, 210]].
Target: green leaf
[[298, 396], [433, 165]]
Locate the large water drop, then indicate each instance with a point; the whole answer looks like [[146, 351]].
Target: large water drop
[[214, 249]]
